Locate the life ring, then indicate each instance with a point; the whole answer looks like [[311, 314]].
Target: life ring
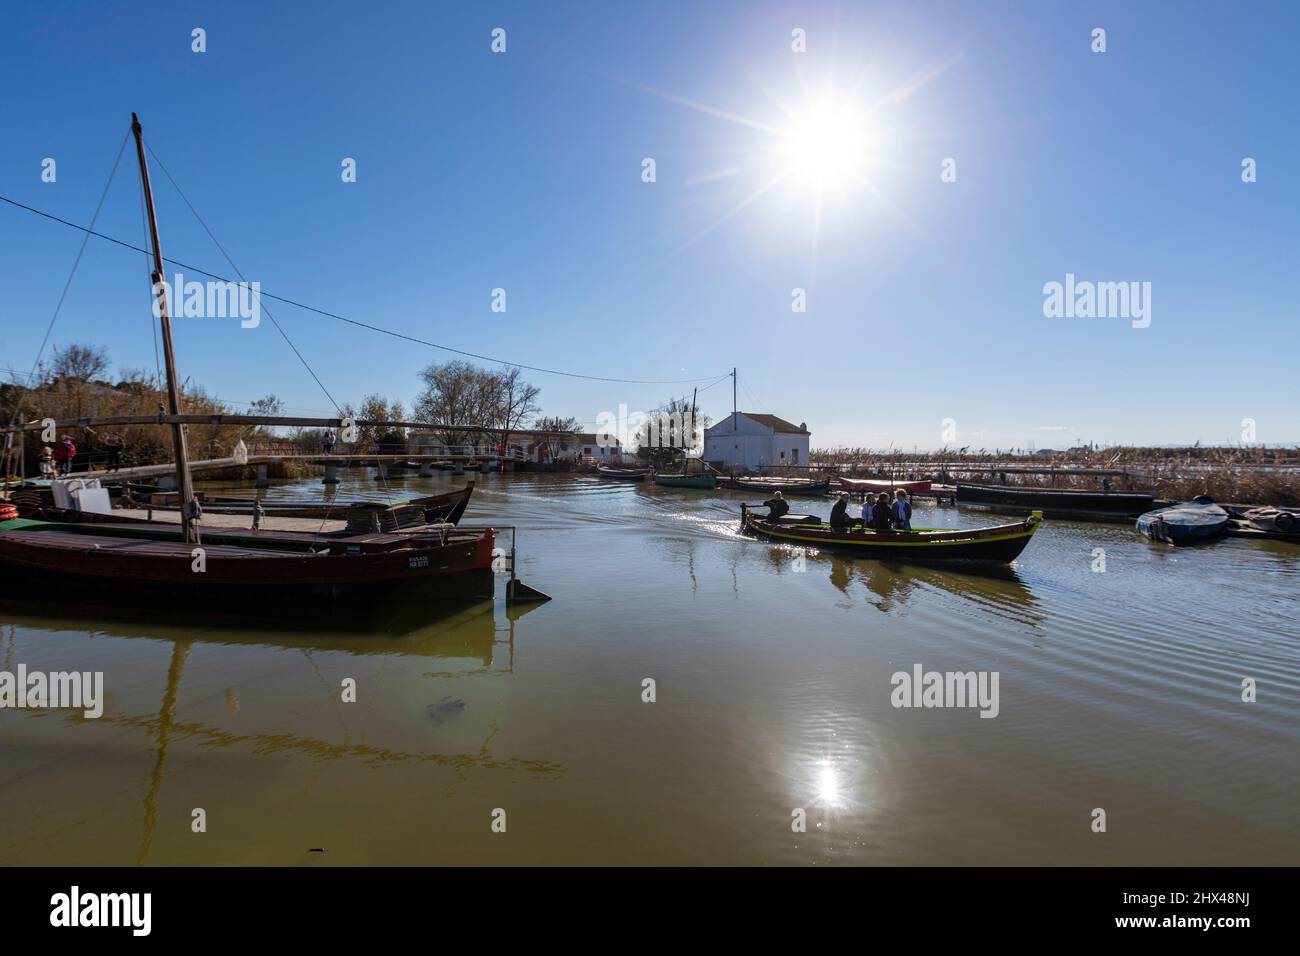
[[8, 512]]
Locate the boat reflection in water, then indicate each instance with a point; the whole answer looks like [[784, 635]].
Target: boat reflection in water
[[260, 714], [998, 589]]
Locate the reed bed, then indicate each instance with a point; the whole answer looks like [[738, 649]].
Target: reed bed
[[1245, 475]]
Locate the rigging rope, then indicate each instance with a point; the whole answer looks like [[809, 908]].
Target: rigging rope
[[49, 329], [367, 325]]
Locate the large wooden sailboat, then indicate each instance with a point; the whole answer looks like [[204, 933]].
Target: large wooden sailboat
[[68, 559]]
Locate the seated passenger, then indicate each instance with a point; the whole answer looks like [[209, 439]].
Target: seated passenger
[[902, 511], [881, 516]]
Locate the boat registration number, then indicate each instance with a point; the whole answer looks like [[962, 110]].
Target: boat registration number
[[420, 561]]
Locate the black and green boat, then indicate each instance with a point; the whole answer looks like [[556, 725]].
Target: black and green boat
[[998, 544]]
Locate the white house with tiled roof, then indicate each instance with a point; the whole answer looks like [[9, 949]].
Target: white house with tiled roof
[[749, 441]]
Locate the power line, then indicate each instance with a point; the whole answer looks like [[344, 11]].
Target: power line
[[310, 371], [365, 325]]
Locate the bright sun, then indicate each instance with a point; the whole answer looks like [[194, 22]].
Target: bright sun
[[827, 147]]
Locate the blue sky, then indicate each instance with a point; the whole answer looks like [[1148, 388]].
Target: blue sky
[[523, 171]]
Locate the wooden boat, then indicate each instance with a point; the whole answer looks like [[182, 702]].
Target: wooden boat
[[1197, 520], [141, 559], [1000, 543], [881, 484], [704, 480], [448, 507], [787, 486], [622, 474], [1056, 501], [100, 556]]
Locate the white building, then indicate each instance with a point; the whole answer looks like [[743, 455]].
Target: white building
[[587, 446], [748, 441]]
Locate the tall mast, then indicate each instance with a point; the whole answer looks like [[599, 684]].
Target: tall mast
[[734, 419], [189, 507], [694, 395]]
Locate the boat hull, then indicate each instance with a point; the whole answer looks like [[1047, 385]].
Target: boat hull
[[448, 507], [785, 487], [1001, 544], [881, 484], [687, 481], [135, 562], [1054, 501], [622, 474]]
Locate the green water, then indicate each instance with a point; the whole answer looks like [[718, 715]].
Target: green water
[[1118, 689]]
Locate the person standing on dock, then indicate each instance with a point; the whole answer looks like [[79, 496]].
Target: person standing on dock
[[48, 467], [902, 511], [64, 454], [328, 442]]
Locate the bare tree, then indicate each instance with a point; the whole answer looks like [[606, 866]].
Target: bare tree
[[674, 431], [77, 363], [456, 393], [377, 408], [558, 425], [516, 402]]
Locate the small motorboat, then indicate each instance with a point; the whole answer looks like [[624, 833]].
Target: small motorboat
[[622, 474], [1000, 543], [1197, 520]]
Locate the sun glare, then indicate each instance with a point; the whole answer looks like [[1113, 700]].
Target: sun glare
[[828, 146], [828, 789]]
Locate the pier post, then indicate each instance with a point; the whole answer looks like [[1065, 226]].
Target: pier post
[[262, 480], [331, 475]]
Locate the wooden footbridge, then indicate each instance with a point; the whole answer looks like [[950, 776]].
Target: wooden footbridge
[[474, 457]]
